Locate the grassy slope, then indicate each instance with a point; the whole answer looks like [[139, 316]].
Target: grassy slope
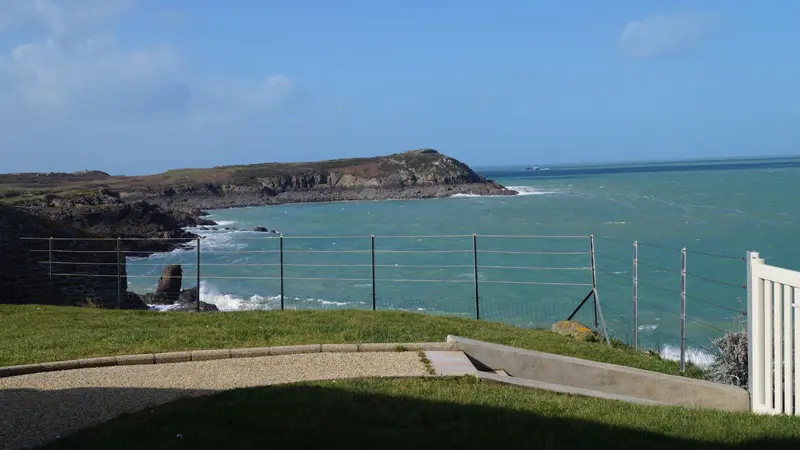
[[37, 333], [426, 413]]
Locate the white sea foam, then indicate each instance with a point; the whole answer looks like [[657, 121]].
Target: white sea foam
[[162, 307], [230, 302], [648, 327], [530, 190], [700, 358], [521, 191]]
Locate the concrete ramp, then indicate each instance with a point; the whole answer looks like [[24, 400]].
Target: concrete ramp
[[528, 368], [450, 363]]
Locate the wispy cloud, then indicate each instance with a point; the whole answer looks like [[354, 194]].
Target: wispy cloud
[[59, 17], [72, 74], [666, 34]]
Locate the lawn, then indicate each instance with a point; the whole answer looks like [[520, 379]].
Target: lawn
[[34, 333], [426, 413]]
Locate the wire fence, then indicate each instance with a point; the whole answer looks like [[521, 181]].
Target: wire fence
[[655, 297], [670, 299], [525, 280]]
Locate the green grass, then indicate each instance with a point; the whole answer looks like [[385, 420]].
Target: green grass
[[425, 413], [34, 333]]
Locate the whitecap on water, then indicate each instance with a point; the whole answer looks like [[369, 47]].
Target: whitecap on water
[[521, 191]]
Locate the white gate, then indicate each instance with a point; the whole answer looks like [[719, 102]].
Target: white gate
[[773, 317]]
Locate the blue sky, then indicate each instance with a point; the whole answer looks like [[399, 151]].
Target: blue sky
[[142, 86]]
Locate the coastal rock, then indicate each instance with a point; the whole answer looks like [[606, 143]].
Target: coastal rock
[[188, 295], [575, 330], [192, 307], [132, 300], [169, 285], [103, 212], [261, 230], [95, 276], [186, 301]]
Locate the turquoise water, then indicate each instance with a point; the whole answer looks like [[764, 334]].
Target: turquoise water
[[716, 211]]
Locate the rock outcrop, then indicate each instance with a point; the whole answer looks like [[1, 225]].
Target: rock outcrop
[[576, 330], [169, 285], [102, 212], [409, 175], [169, 292], [69, 270]]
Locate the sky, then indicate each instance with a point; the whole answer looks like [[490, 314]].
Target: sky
[[142, 86]]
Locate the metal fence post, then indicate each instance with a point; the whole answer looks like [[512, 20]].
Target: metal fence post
[[635, 295], [372, 251], [281, 260], [683, 309], [119, 276], [594, 277], [475, 272], [50, 270], [197, 275]]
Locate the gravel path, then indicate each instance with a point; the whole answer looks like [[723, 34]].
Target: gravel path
[[39, 407]]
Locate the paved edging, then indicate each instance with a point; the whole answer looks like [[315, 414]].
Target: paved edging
[[208, 355]]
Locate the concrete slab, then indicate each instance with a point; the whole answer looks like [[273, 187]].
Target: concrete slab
[[450, 363]]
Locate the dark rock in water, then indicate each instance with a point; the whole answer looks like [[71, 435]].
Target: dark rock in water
[[192, 307], [132, 300], [205, 222], [188, 295], [158, 299], [261, 230], [169, 285], [186, 301]]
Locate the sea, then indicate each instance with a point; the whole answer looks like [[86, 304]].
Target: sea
[[533, 252]]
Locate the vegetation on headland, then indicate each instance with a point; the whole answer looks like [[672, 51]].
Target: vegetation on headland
[[426, 413], [42, 334]]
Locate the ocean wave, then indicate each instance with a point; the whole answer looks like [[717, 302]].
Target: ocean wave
[[698, 357], [530, 190], [521, 191]]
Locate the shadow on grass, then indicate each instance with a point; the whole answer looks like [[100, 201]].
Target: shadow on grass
[[399, 414]]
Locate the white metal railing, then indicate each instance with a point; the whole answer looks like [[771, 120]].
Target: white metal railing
[[773, 337]]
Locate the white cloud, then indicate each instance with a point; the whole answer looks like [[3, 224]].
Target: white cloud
[[62, 83], [666, 34], [59, 17]]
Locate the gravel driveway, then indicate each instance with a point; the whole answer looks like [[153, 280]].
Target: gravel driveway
[[39, 407]]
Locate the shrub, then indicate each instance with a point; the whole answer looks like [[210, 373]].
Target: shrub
[[730, 361]]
